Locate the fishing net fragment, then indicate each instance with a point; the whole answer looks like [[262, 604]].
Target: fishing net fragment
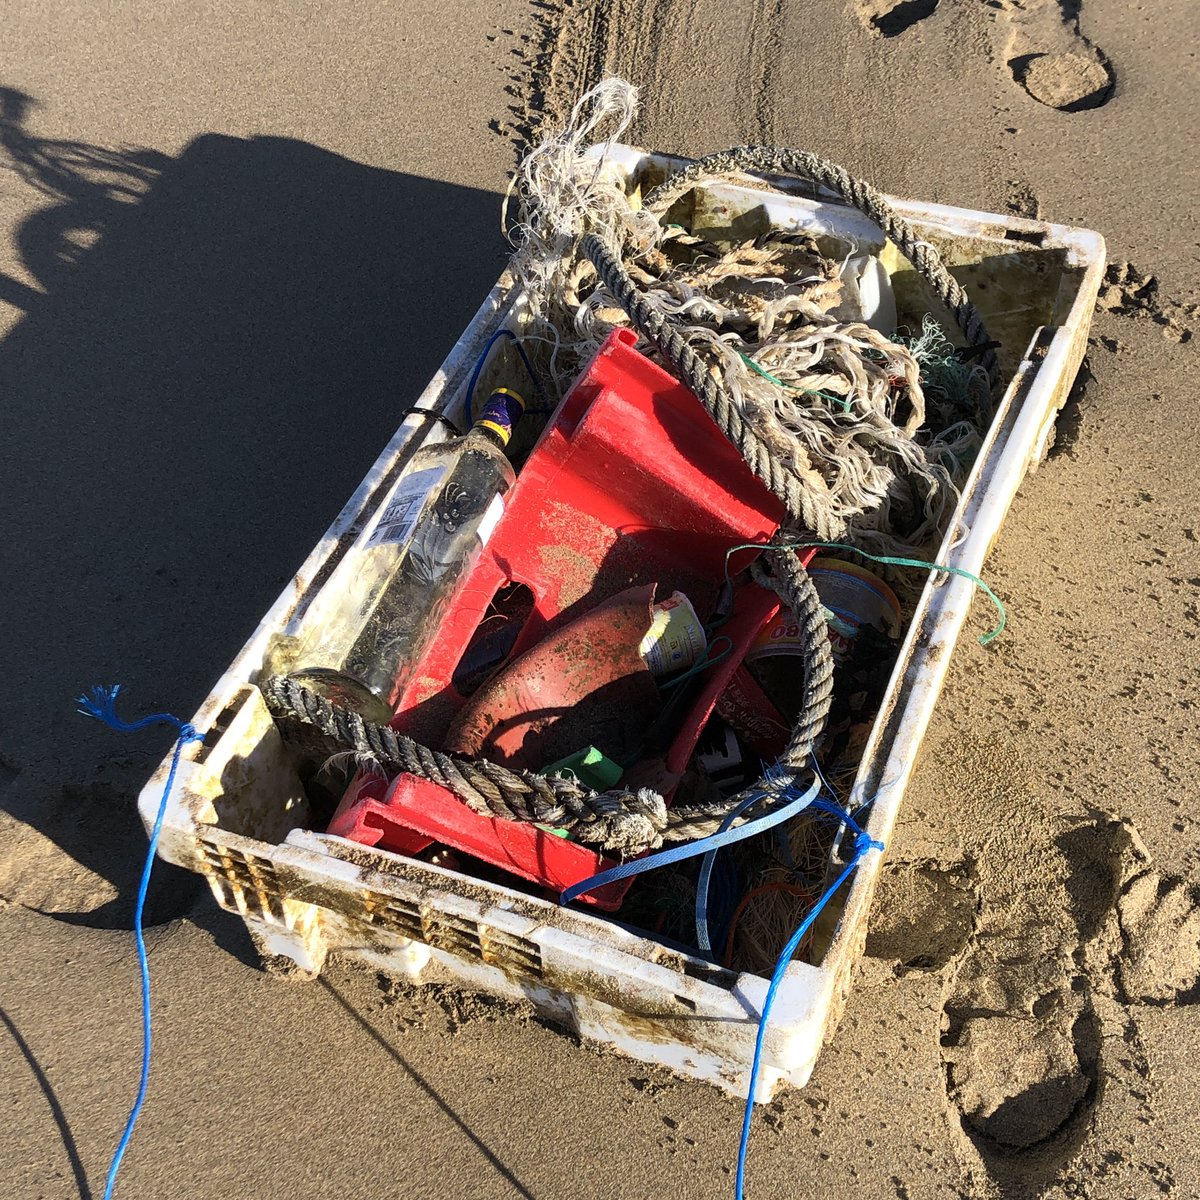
[[844, 408]]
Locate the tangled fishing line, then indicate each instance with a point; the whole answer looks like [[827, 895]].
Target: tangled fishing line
[[834, 404]]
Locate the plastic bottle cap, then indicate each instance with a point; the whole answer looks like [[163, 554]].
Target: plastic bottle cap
[[501, 412]]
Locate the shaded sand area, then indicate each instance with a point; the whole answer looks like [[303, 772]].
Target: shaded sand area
[[237, 239]]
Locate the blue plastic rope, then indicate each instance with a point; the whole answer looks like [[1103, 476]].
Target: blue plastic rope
[[664, 858], [863, 845], [101, 705], [482, 360], [775, 774]]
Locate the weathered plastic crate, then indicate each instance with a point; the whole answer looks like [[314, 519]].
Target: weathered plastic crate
[[238, 813]]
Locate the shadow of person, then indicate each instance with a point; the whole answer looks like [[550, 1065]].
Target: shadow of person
[[225, 341], [91, 184]]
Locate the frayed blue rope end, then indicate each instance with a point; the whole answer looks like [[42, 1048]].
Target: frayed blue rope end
[[100, 703]]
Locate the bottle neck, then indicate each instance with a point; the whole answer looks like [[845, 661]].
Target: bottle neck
[[499, 416]]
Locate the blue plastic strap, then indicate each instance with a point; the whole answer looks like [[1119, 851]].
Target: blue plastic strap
[[703, 881], [664, 858], [703, 936]]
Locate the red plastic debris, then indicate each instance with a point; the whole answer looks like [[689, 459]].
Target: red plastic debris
[[630, 484]]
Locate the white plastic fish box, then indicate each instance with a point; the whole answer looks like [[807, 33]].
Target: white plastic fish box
[[239, 816]]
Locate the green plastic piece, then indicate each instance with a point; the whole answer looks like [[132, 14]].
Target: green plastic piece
[[590, 766]]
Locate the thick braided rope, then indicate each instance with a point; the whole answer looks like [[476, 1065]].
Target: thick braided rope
[[794, 586], [692, 370], [626, 822], [621, 822], [782, 160]]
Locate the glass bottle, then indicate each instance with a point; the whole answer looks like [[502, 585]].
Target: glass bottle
[[389, 593]]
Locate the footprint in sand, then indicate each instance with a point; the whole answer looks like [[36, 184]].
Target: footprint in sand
[[1045, 49], [1019, 1041], [924, 915], [1019, 1081], [1051, 59], [893, 17], [1160, 925], [1023, 1040], [1020, 1035]]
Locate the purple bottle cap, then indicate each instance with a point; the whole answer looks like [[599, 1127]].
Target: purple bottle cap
[[501, 412]]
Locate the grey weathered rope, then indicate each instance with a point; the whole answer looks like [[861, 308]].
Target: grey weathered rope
[[666, 337], [627, 822], [621, 822], [794, 586], [783, 160]]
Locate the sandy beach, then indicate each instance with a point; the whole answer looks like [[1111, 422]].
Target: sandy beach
[[235, 241]]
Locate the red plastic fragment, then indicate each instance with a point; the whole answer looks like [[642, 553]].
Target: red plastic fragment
[[630, 484]]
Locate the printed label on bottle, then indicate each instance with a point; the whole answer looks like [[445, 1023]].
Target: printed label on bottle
[[781, 635], [404, 508], [490, 519]]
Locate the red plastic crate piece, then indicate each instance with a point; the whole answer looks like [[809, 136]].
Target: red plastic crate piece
[[357, 818], [630, 483], [411, 813]]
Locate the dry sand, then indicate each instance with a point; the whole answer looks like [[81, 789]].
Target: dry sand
[[238, 238]]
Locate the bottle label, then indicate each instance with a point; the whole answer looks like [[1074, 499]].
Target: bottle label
[[402, 511], [501, 413], [781, 635]]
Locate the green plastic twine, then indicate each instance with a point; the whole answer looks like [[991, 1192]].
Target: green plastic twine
[[888, 560], [709, 659], [841, 401]]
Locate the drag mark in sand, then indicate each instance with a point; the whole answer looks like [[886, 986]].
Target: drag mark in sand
[[667, 48], [764, 52]]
